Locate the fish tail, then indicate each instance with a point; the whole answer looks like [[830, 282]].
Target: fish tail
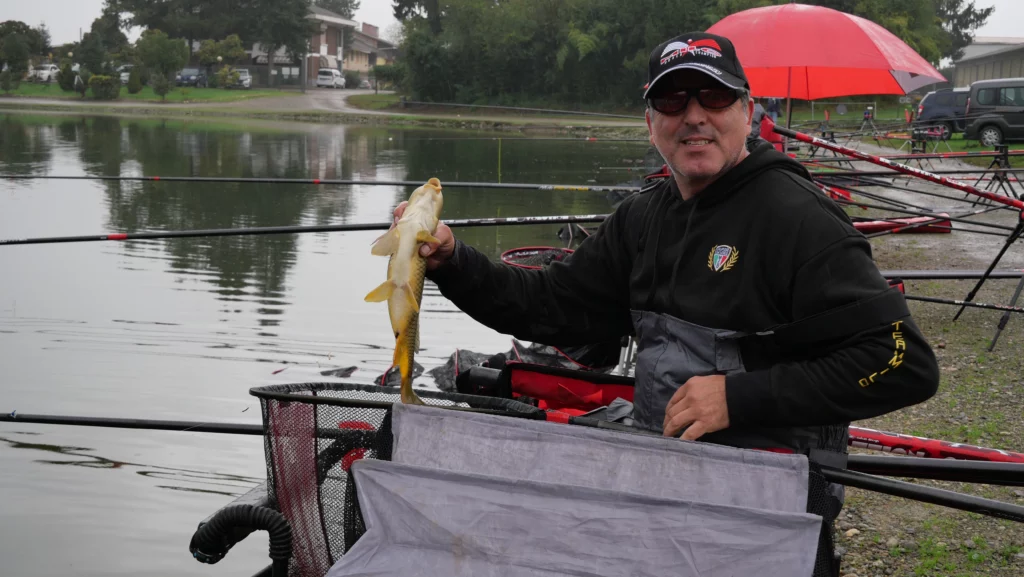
[[404, 352]]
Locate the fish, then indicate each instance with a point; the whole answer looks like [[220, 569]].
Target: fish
[[403, 289]]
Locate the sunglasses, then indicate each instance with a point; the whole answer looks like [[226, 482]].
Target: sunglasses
[[709, 98]]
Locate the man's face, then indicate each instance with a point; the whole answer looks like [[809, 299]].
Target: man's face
[[698, 143]]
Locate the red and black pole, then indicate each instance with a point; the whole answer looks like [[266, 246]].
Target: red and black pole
[[882, 161]]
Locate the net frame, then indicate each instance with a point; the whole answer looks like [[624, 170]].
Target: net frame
[[314, 432], [535, 257]]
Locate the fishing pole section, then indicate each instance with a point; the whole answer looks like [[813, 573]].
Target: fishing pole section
[[1014, 203]]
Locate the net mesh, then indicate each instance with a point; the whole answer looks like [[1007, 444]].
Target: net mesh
[[821, 501], [535, 257], [310, 445]]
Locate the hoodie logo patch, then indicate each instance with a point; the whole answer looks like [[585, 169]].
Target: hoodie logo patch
[[722, 258]]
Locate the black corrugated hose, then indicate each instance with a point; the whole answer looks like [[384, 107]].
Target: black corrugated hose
[[212, 540]]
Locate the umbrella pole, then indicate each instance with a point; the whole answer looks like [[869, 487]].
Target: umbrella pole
[[789, 99]]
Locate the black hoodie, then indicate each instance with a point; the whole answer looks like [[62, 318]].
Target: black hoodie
[[790, 253]]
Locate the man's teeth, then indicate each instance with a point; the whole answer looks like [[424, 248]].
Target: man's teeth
[[698, 142]]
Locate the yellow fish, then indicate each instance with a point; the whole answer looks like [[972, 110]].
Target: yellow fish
[[404, 288]]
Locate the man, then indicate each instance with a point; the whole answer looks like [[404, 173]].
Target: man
[[754, 137], [760, 319]]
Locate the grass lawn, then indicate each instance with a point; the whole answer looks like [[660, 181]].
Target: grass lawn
[[37, 90], [373, 101], [957, 143]]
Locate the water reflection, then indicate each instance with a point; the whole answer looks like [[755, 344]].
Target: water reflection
[[254, 270], [183, 479]]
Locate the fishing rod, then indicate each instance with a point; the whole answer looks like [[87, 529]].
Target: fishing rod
[[926, 156], [857, 181], [1017, 231], [991, 473], [950, 274], [932, 222], [924, 213], [1007, 308], [455, 223], [325, 181], [884, 173], [146, 424], [881, 198], [923, 493]]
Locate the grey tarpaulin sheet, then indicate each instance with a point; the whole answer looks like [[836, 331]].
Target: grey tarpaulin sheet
[[429, 522], [556, 453]]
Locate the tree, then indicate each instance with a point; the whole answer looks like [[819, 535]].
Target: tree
[[108, 29], [161, 54], [189, 19], [344, 8], [30, 36], [43, 34], [408, 9], [281, 23], [92, 53], [15, 54], [959, 23]]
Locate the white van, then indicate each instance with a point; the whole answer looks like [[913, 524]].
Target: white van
[[330, 77]]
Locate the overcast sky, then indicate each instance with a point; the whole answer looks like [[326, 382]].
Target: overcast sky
[[65, 17]]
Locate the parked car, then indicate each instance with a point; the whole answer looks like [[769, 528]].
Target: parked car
[[191, 77], [44, 73], [364, 83], [125, 72], [244, 78], [995, 111], [945, 109], [330, 77]]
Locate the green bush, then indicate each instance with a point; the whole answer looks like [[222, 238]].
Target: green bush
[[352, 79], [7, 83], [389, 75], [66, 78], [161, 86], [134, 81], [227, 77], [105, 87], [144, 76]]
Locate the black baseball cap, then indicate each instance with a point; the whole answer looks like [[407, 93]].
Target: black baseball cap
[[709, 53]]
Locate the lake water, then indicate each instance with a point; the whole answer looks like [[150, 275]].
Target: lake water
[[182, 329]]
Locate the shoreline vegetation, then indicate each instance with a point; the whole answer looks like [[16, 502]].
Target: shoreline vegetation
[[382, 108]]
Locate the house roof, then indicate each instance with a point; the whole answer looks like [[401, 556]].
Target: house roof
[[995, 51], [324, 15], [990, 45], [362, 42]]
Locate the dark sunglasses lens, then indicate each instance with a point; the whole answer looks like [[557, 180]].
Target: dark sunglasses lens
[[669, 104], [717, 98]]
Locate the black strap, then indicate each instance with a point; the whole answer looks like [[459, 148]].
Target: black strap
[[832, 325]]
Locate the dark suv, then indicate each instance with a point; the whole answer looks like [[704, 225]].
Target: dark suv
[[944, 109], [995, 111], [191, 77]]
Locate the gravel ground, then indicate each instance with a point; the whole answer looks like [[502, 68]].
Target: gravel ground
[[979, 402]]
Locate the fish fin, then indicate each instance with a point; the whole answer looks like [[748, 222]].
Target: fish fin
[[424, 236], [416, 345], [381, 293], [386, 243], [407, 289], [404, 361]]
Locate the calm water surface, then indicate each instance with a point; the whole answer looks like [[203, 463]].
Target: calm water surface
[[182, 329]]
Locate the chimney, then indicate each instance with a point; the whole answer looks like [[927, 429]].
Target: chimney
[[370, 30]]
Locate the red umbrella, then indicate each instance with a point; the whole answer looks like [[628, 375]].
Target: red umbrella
[[812, 52]]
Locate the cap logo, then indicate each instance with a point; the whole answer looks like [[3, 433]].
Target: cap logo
[[706, 47]]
